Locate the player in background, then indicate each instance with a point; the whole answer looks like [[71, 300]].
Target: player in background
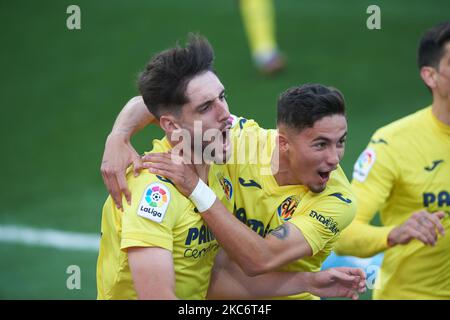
[[258, 17], [404, 173]]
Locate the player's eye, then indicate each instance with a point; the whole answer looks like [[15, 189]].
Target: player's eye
[[204, 108], [320, 145], [223, 96]]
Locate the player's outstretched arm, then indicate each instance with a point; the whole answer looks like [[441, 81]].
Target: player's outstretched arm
[[153, 273], [364, 240], [228, 281], [422, 225], [119, 153]]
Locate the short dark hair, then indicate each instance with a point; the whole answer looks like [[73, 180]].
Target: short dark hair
[[431, 46], [300, 107], [164, 81]]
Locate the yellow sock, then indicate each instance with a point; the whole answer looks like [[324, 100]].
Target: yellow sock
[[259, 22]]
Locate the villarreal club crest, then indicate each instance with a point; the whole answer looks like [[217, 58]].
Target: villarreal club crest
[[287, 208]]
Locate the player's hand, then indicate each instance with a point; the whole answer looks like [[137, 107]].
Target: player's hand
[[341, 282], [422, 225], [174, 168], [118, 155]]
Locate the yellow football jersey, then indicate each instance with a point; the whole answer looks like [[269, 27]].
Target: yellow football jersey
[[159, 216], [264, 205], [405, 168]]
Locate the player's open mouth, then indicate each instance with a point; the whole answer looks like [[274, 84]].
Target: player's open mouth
[[325, 175]]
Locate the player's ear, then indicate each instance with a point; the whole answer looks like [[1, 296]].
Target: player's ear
[[428, 75], [283, 142], [168, 123]]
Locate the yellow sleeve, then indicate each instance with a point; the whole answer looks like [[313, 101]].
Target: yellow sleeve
[[149, 221], [374, 174], [324, 219]]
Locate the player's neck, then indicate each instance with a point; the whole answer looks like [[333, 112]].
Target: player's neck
[[284, 178], [441, 110], [280, 169]]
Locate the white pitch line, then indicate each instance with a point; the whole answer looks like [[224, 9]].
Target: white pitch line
[[49, 238]]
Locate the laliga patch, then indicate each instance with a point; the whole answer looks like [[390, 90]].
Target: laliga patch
[[154, 202], [364, 164]]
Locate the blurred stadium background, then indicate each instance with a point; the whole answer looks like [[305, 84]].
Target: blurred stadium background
[[62, 89]]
